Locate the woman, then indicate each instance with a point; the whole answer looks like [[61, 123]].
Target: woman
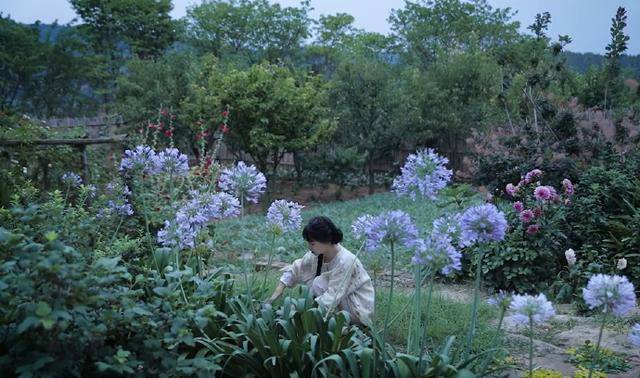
[[335, 275]]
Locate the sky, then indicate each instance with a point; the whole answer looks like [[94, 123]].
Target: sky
[[587, 22]]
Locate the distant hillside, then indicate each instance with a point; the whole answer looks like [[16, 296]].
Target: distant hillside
[[580, 62]]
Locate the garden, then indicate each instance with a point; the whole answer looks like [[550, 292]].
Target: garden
[[501, 239]]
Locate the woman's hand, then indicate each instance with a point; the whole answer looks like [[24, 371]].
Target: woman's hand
[[276, 293]]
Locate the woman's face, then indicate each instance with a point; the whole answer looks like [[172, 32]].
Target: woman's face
[[319, 248]]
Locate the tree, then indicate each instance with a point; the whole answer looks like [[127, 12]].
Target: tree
[[118, 29], [249, 30], [615, 48], [368, 96], [426, 29], [272, 111], [456, 95], [20, 60], [334, 34]]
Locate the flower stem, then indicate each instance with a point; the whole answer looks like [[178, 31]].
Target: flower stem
[[494, 341], [273, 243], [474, 308], [594, 359], [117, 229], [530, 346], [388, 310]]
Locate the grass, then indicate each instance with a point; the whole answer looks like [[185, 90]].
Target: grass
[[447, 317], [237, 236]]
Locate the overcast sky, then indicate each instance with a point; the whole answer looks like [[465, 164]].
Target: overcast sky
[[586, 21]]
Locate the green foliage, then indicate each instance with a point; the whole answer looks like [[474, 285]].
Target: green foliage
[[528, 262], [372, 108], [63, 313], [428, 28], [273, 111], [607, 360], [604, 217], [249, 31]]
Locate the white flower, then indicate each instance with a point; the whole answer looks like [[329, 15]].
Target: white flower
[[526, 307], [622, 263], [570, 255]]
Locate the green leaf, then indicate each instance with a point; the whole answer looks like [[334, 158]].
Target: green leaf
[[43, 309]]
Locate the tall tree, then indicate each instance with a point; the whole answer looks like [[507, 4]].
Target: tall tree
[[615, 48], [428, 28], [367, 94], [20, 60], [249, 30], [273, 111]]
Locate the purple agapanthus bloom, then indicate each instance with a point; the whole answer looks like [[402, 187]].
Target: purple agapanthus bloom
[[437, 252], [171, 161], [423, 175], [634, 335], [141, 159], [501, 299], [121, 208], [484, 223], [222, 206], [361, 225], [525, 307], [391, 227], [449, 225], [613, 293], [194, 215], [177, 235], [71, 179], [245, 182], [284, 216]]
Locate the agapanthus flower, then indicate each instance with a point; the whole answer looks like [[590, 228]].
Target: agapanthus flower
[[391, 227], [437, 252], [121, 208], [518, 206], [526, 216], [71, 179], [178, 235], [526, 307], [511, 189], [284, 216], [449, 225], [245, 182], [172, 162], [568, 187], [91, 190], [501, 299], [194, 215], [533, 229], [532, 175], [570, 255], [361, 225], [634, 335], [484, 223], [223, 205], [613, 293], [424, 174], [141, 159]]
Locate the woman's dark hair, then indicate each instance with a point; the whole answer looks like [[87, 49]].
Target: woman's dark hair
[[322, 230]]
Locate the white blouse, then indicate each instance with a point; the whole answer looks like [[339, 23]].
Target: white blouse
[[343, 283]]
